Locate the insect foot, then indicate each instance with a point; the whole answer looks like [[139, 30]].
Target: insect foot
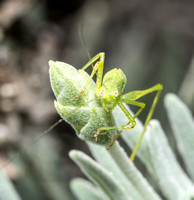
[[130, 126], [96, 137], [78, 95], [97, 133], [109, 147]]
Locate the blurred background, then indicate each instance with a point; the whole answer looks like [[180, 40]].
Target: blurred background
[[152, 42]]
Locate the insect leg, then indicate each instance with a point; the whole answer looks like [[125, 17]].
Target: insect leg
[[129, 125], [127, 98], [98, 67]]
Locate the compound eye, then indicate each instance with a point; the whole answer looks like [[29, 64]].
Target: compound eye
[[101, 93], [116, 93]]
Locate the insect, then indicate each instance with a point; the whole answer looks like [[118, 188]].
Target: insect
[[107, 93]]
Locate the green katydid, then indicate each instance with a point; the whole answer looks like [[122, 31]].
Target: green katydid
[[109, 90], [107, 95]]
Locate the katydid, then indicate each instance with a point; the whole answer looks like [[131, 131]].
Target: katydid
[[108, 93], [109, 89]]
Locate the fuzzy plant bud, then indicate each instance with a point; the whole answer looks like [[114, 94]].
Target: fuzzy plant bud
[[85, 114]]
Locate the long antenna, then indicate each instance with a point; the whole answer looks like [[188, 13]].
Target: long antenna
[[83, 42], [46, 131], [32, 142], [60, 120], [81, 36]]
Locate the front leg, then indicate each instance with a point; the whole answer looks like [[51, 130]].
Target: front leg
[[97, 69]]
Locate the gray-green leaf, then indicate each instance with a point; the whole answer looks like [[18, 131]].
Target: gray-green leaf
[[101, 176], [183, 127]]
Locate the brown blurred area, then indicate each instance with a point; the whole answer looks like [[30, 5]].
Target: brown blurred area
[[151, 41]]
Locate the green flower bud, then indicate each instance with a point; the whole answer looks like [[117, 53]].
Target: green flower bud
[[86, 114]]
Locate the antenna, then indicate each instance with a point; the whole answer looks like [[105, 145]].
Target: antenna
[[81, 36], [30, 143], [83, 42]]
